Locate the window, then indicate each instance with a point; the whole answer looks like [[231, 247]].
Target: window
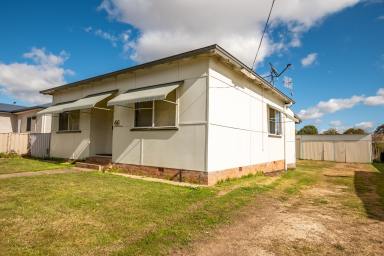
[[69, 121], [29, 124], [274, 121], [158, 113]]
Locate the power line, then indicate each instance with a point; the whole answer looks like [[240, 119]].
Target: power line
[[262, 37]]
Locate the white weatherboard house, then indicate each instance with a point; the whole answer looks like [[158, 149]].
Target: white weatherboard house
[[200, 116], [20, 119]]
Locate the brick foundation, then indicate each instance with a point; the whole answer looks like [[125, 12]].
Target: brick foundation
[[267, 168], [200, 177], [197, 177]]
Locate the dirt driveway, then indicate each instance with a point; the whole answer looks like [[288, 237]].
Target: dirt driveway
[[342, 214]]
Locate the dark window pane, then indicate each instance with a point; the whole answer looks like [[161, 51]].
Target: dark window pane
[[29, 121], [69, 121], [143, 114], [63, 121]]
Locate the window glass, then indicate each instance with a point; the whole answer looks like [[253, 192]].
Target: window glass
[[73, 120], [272, 124], [165, 111], [278, 122], [69, 121], [274, 121], [143, 114], [159, 113], [63, 121], [29, 122]]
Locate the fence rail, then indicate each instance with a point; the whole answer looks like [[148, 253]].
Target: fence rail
[[33, 144]]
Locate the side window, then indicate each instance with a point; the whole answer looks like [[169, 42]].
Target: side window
[[274, 117]]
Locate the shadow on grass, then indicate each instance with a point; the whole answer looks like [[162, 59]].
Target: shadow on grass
[[369, 187], [51, 160]]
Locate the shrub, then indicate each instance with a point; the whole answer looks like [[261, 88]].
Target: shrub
[[10, 154]]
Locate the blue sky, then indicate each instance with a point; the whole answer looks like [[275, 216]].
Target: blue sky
[[337, 51]]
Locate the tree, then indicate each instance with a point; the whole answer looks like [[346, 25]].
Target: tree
[[331, 131], [354, 131], [379, 130], [308, 130]]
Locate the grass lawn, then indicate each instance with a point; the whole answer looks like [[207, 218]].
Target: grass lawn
[[103, 214], [19, 164]]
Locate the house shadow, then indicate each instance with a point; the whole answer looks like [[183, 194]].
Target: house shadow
[[369, 187]]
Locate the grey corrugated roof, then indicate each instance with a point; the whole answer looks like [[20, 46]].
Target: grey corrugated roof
[[209, 49], [42, 106], [9, 108]]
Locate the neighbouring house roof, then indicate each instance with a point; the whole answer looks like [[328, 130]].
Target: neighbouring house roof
[[9, 108], [212, 50], [14, 109]]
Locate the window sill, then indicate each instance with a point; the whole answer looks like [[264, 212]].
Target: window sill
[[76, 131], [274, 136], [155, 129]]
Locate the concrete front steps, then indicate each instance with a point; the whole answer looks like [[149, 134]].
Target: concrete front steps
[[98, 162]]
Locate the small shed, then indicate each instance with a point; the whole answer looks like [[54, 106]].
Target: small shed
[[337, 148]]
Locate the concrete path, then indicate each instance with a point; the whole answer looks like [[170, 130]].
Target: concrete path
[[46, 172], [175, 183]]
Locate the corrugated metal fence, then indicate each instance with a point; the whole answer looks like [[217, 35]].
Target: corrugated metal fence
[[337, 148], [39, 144], [34, 144]]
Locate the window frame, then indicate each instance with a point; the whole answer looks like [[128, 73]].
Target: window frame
[[278, 124], [153, 112], [68, 122]]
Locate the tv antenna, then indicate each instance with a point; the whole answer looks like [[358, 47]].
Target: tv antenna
[[274, 73]]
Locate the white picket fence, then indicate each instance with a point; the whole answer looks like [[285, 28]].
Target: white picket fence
[[33, 144]]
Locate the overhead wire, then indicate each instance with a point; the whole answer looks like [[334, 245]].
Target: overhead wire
[[262, 36]]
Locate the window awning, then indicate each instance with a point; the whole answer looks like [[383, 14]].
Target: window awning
[[54, 109], [87, 102], [144, 94], [84, 103]]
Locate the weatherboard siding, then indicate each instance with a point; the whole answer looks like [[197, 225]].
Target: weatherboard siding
[[238, 123]]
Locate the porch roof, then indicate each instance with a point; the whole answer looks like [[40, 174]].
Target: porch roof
[[84, 103], [158, 92]]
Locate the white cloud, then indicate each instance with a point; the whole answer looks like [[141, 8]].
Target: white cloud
[[171, 26], [364, 125], [309, 59], [336, 123], [23, 81], [381, 17], [375, 100], [334, 105], [330, 106], [112, 38]]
